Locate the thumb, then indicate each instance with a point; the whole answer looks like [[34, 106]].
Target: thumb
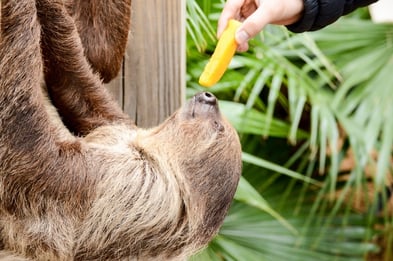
[[251, 27]]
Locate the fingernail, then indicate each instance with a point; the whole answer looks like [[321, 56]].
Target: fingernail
[[242, 36]]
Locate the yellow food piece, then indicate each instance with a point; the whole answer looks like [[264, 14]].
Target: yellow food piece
[[222, 55]]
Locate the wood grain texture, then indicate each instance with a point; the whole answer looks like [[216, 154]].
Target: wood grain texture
[[153, 77], [116, 87]]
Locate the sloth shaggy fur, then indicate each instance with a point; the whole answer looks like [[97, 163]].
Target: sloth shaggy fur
[[97, 187]]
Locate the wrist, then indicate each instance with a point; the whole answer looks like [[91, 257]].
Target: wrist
[[305, 20]]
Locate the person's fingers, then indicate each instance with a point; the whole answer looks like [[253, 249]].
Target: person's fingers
[[231, 11], [242, 38], [256, 15], [251, 26]]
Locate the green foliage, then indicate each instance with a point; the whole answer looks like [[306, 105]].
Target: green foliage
[[300, 102]]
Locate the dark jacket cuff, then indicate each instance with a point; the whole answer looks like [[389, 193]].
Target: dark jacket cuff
[[320, 13], [310, 12]]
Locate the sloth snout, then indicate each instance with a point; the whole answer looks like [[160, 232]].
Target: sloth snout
[[206, 98], [203, 104]]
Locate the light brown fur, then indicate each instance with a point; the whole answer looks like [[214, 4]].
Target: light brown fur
[[114, 191]]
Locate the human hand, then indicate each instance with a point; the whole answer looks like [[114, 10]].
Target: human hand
[[256, 14]]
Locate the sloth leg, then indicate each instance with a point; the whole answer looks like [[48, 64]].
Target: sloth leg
[[34, 158], [79, 95], [103, 27], [44, 181], [22, 115]]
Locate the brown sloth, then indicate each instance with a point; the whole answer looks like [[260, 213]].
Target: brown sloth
[[113, 191]]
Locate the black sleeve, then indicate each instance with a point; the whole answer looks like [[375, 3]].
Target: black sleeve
[[320, 13]]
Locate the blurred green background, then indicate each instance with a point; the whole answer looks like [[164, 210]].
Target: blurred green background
[[314, 113]]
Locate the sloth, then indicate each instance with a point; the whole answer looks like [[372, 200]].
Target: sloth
[[98, 187]]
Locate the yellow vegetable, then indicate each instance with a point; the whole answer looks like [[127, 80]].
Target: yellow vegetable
[[222, 56]]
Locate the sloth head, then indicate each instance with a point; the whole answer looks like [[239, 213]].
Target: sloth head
[[202, 149]]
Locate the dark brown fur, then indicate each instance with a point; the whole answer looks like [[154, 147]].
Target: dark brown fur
[[103, 27], [74, 89], [117, 192]]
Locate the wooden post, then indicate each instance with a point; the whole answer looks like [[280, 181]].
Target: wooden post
[[152, 84]]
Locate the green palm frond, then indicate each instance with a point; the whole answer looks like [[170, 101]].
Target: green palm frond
[[300, 103], [250, 234], [364, 102]]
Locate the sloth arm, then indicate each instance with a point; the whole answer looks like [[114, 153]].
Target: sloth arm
[[34, 158], [76, 91], [103, 27]]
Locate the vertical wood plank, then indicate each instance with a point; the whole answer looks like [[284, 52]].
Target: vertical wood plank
[[116, 87], [154, 68]]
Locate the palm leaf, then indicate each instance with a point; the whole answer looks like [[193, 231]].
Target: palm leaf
[[303, 88]]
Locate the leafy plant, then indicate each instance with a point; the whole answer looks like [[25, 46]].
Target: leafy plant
[[304, 105]]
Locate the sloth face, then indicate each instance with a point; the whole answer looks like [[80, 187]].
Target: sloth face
[[205, 151], [197, 139], [211, 160], [197, 132]]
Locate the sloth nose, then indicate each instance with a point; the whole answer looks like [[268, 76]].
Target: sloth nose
[[207, 98]]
